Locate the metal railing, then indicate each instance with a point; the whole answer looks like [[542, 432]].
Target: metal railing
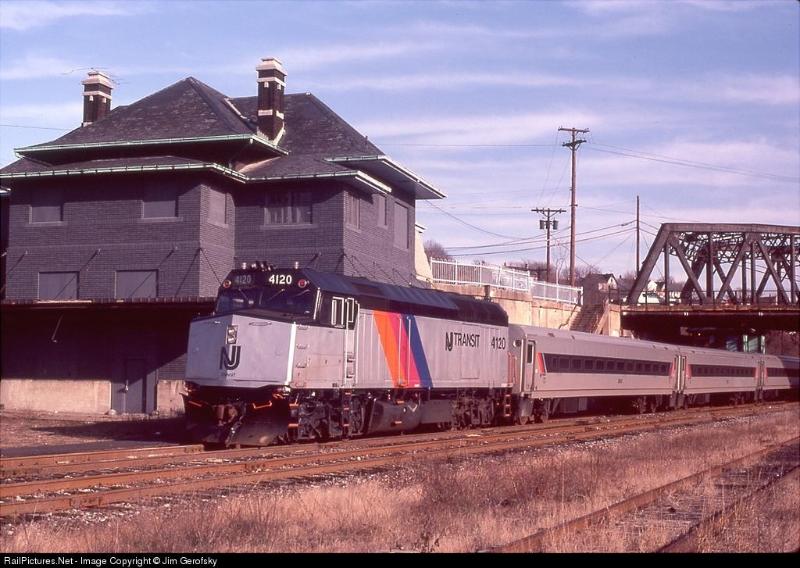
[[454, 272]]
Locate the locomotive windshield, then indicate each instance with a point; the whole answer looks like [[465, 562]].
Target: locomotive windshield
[[282, 296]]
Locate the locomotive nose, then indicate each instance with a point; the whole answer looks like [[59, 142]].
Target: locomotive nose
[[237, 349]]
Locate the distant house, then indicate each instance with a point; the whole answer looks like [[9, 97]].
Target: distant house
[[598, 288], [119, 232]]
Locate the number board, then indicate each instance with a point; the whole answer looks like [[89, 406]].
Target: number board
[[277, 279]]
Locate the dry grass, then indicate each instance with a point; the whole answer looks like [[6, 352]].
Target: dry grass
[[766, 523], [462, 505]]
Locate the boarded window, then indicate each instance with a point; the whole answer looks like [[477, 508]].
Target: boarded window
[[383, 210], [58, 285], [288, 207], [217, 207], [400, 226], [47, 206], [352, 210], [159, 202], [137, 284]]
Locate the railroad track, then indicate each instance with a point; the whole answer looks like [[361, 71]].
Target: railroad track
[[733, 483], [55, 465], [190, 471]]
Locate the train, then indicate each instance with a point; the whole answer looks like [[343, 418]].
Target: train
[[294, 354]]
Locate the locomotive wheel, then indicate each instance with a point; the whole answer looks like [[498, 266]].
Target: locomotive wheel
[[541, 412]]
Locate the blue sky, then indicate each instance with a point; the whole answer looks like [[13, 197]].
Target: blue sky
[[693, 105]]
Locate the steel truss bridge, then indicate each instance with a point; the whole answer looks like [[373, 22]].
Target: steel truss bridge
[[739, 277]]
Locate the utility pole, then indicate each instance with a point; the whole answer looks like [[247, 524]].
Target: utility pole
[[547, 223], [637, 237], [573, 146]]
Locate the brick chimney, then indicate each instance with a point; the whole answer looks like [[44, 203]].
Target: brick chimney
[[96, 97], [271, 87]]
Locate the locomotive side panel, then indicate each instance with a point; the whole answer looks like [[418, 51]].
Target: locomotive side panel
[[319, 354], [407, 351]]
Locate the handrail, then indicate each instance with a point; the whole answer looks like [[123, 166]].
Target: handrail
[[455, 272]]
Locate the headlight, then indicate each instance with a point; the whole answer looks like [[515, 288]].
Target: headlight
[[230, 335]]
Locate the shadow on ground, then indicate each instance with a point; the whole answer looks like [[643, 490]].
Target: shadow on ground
[[170, 430]]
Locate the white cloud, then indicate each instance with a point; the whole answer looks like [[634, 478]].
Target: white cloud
[[36, 67], [487, 128], [56, 115], [779, 89], [23, 15], [447, 81], [301, 59]]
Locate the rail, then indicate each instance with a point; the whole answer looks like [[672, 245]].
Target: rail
[[454, 272]]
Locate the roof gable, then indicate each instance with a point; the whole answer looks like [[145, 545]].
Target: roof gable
[[186, 109], [313, 128]]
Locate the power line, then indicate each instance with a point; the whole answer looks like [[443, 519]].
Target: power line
[[549, 164], [467, 145], [532, 240], [470, 224], [701, 166], [693, 162], [34, 127], [527, 249]]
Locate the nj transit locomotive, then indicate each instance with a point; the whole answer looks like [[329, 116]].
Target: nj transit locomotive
[[297, 354]]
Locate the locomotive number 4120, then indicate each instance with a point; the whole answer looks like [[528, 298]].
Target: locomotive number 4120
[[498, 342], [280, 279]]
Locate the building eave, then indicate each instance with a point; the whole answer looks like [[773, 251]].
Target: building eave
[[398, 176], [249, 138], [181, 302], [356, 178], [121, 169]]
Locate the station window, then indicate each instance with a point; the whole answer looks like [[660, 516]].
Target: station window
[[159, 202], [47, 206], [137, 284], [401, 233], [217, 207], [58, 285], [288, 207], [383, 210]]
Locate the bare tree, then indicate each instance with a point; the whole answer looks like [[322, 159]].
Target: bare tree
[[537, 268], [434, 249]]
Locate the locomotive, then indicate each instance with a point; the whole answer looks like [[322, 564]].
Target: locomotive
[[298, 354]]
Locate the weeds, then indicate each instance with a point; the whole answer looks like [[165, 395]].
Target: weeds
[[451, 505]]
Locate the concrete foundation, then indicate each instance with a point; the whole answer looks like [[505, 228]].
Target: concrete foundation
[[79, 396], [56, 395], [169, 401]]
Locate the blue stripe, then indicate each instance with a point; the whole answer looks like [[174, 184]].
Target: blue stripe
[[419, 353]]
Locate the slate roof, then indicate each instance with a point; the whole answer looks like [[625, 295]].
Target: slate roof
[[313, 128], [292, 165], [188, 110]]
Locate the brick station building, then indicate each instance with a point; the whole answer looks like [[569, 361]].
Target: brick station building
[[118, 233]]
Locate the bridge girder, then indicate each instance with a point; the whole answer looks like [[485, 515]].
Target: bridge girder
[[720, 251]]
